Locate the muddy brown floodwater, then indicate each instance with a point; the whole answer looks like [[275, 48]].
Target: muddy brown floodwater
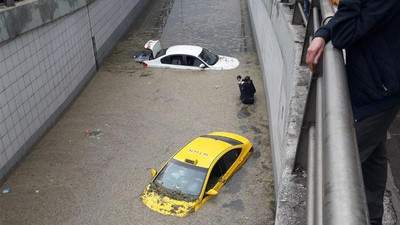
[[141, 116]]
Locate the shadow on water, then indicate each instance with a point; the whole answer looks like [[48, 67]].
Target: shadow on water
[[235, 204], [243, 113]]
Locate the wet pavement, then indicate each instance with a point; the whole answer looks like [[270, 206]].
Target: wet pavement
[[93, 165]]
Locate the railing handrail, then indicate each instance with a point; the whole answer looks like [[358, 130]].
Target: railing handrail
[[335, 185]]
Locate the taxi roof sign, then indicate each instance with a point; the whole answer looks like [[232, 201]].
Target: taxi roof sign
[[191, 161]]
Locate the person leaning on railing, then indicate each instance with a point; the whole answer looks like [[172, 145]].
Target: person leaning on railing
[[369, 31]]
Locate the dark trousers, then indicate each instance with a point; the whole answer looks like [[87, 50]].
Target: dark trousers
[[371, 138], [248, 100]]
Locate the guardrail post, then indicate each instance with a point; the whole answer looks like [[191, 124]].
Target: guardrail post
[[299, 18]]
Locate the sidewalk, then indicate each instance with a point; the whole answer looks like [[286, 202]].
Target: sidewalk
[[393, 148]]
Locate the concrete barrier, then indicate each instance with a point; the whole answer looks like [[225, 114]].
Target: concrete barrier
[[48, 52], [286, 83]]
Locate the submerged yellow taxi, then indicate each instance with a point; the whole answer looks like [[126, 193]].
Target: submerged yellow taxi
[[195, 173]]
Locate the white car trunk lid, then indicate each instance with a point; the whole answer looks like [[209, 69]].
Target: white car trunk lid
[[153, 46]]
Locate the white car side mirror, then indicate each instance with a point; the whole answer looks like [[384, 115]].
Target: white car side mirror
[[202, 66]]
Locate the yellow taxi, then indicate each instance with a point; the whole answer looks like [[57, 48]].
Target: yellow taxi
[[195, 173]]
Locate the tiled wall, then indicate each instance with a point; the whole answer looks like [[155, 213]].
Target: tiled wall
[[42, 70], [106, 17], [110, 21]]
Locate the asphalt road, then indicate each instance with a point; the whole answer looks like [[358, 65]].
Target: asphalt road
[[145, 115]]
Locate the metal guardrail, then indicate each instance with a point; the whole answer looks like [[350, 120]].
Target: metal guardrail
[[335, 188]]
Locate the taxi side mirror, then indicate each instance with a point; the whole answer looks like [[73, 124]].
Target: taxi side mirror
[[212, 192], [153, 172]]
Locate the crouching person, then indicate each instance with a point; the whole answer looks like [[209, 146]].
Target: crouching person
[[247, 91]]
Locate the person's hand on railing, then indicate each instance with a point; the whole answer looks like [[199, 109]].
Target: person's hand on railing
[[314, 52]]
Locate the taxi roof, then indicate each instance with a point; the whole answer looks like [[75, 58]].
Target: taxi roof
[[204, 149], [184, 50]]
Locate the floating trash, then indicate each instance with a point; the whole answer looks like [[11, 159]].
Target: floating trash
[[140, 58], [6, 191], [94, 133]]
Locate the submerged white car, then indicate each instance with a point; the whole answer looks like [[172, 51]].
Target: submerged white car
[[187, 57]]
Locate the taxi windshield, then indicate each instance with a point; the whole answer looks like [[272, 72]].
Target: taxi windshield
[[182, 177], [208, 57]]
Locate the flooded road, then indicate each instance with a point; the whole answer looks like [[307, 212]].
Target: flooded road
[[143, 116]]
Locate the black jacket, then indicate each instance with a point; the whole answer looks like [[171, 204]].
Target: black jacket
[[247, 90], [369, 30]]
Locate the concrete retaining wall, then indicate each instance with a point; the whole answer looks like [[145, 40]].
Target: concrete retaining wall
[[48, 53], [286, 83]]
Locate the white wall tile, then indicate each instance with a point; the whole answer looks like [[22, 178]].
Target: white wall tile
[[15, 88], [18, 72], [24, 122], [12, 134], [15, 146], [3, 157], [3, 129], [12, 105], [5, 80], [9, 123], [15, 59], [9, 94], [23, 41], [6, 111], [6, 51], [6, 142], [9, 64], [21, 139], [13, 46], [1, 54], [21, 111], [3, 69], [12, 76]]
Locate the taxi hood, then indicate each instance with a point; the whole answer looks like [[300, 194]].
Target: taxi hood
[[166, 205]]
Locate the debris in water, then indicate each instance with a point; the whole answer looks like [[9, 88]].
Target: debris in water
[[37, 191], [6, 191], [94, 133], [140, 58], [173, 194]]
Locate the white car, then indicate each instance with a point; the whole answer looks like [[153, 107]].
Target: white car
[[186, 57]]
